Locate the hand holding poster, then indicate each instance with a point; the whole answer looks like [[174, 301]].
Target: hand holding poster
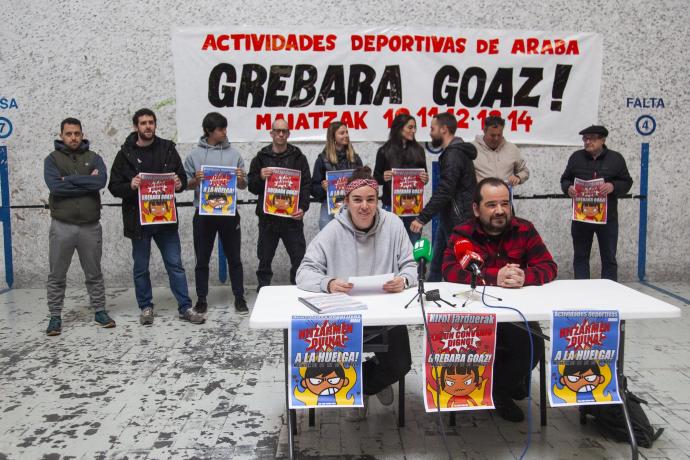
[[589, 204], [462, 362], [337, 180], [407, 192], [281, 192], [325, 354], [157, 199], [584, 350], [218, 191]]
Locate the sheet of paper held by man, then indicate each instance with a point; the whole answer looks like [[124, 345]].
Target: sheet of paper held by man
[[366, 285]]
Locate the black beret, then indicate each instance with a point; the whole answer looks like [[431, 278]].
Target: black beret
[[595, 129]]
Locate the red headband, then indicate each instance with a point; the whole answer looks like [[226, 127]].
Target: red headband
[[357, 183]]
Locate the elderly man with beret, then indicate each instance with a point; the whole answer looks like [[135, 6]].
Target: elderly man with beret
[[593, 162]]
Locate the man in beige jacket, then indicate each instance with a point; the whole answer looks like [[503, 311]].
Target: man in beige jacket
[[497, 157]]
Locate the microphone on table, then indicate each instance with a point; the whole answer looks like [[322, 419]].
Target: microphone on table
[[422, 253], [467, 258]]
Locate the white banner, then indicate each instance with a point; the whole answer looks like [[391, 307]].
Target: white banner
[[545, 84]]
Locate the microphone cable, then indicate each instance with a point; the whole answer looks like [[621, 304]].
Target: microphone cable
[[529, 375]]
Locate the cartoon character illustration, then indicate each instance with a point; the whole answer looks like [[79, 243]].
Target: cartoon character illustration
[[590, 212], [158, 211], [409, 204], [325, 382], [216, 203], [459, 382], [282, 203], [582, 379]]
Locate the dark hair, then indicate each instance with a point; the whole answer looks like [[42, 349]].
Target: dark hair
[[448, 120], [363, 172], [69, 121], [399, 152], [493, 181], [213, 121], [459, 370], [572, 369], [140, 113], [324, 370], [492, 122], [216, 196]]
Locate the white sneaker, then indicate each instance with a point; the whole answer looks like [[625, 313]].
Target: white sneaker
[[358, 414], [386, 396]]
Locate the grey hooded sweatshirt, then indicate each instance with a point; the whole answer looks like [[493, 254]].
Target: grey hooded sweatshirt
[[340, 251], [210, 155]]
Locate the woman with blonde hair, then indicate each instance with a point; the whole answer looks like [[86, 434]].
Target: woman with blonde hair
[[337, 155]]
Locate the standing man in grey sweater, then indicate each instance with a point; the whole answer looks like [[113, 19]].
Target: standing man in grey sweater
[[365, 240], [74, 175], [215, 150]]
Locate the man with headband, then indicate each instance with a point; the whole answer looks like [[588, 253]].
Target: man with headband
[[365, 240]]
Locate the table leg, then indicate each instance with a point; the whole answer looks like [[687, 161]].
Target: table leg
[[542, 389], [312, 417], [622, 387], [401, 402], [291, 418]]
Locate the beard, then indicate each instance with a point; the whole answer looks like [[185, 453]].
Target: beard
[[436, 142]]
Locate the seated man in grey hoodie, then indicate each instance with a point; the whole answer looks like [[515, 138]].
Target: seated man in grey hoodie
[[365, 240]]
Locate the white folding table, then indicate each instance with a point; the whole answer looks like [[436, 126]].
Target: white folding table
[[275, 305]]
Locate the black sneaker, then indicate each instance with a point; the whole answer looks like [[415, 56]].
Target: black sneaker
[[520, 390], [54, 326], [103, 320], [192, 316], [146, 317], [241, 305], [507, 409], [201, 306]]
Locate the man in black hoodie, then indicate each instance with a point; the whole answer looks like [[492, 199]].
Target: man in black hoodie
[[74, 175], [454, 194], [279, 154], [144, 152]]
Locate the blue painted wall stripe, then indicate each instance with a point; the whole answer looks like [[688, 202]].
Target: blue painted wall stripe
[[642, 240], [5, 216]]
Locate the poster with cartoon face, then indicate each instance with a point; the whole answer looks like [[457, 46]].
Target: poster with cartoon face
[[157, 199], [458, 368], [218, 191], [281, 192], [337, 181], [407, 192], [589, 204], [584, 351], [325, 355]]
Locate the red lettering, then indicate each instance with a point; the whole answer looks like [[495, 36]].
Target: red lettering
[[263, 121], [359, 120], [210, 42], [381, 42], [532, 45], [407, 41], [291, 43], [356, 42], [572, 47]]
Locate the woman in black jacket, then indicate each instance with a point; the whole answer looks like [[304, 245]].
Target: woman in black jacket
[[336, 156], [400, 151]]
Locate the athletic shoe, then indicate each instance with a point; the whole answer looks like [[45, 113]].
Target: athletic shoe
[[385, 396], [103, 320], [193, 317], [146, 317], [241, 305], [54, 326], [201, 306]]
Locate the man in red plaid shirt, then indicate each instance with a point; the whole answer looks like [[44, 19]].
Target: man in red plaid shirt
[[514, 256]]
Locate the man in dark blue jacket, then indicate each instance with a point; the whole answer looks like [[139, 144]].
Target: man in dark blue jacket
[[74, 175], [144, 152], [593, 162]]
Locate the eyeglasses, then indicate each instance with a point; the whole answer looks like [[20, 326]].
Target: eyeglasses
[[284, 132]]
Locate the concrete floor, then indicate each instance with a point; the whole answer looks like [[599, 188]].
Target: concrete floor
[[177, 390]]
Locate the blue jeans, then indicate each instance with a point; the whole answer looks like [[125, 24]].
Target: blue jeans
[[439, 247], [168, 242], [406, 222]]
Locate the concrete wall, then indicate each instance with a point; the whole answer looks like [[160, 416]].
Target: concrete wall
[[100, 61]]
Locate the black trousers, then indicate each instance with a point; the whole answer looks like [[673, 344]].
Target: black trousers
[[511, 366], [270, 233], [390, 366], [607, 236], [205, 229]]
